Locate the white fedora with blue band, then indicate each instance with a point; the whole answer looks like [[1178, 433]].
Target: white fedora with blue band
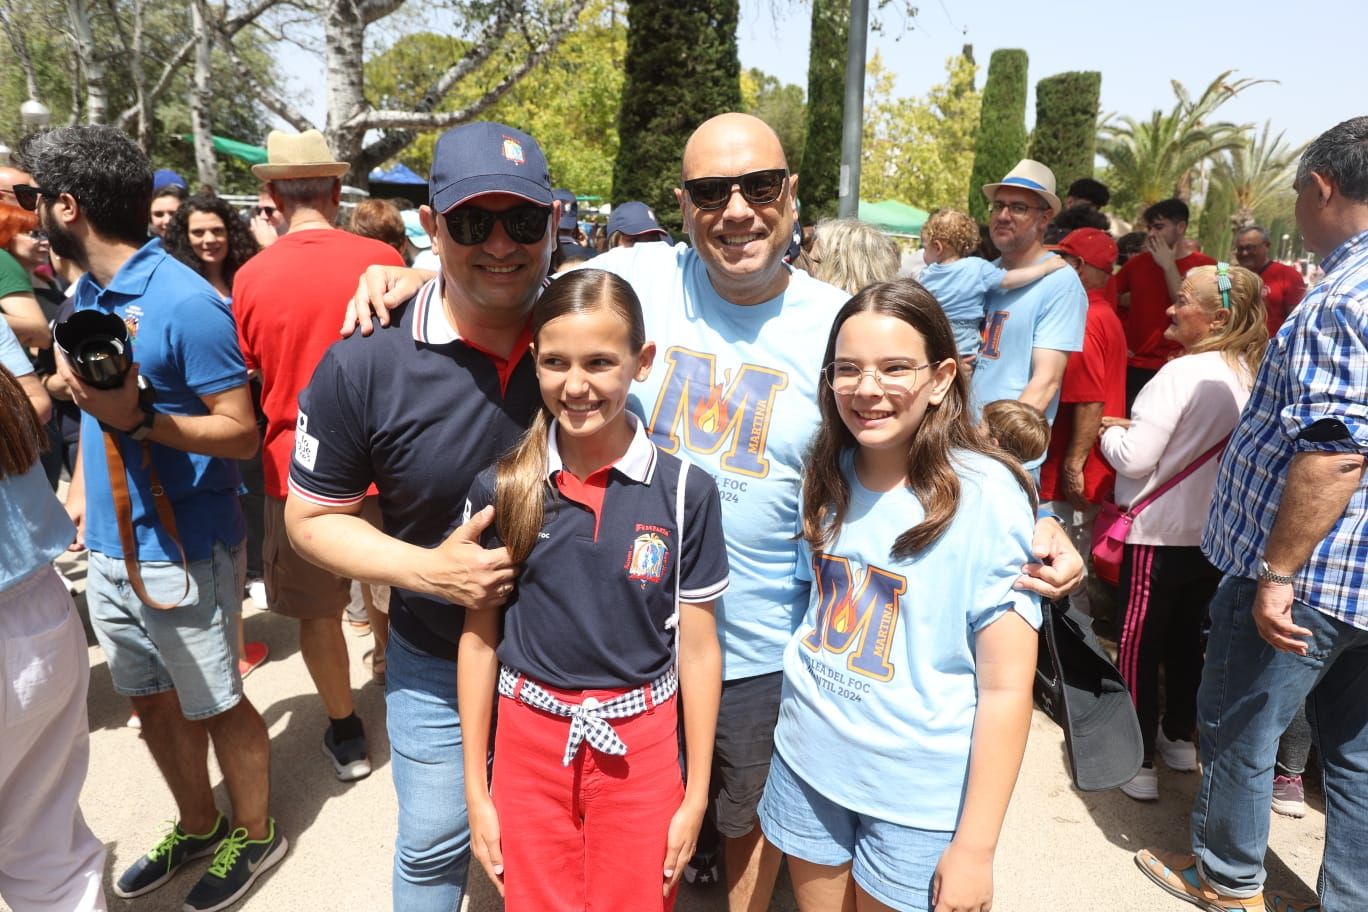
[[1029, 175]]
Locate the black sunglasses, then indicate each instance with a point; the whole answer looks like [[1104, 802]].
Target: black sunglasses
[[268, 211], [760, 188], [27, 195], [471, 225]]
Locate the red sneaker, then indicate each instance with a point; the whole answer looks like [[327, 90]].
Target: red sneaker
[[253, 654]]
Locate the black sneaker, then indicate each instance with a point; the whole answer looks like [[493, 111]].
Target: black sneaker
[[238, 862], [703, 869], [175, 849], [349, 757]]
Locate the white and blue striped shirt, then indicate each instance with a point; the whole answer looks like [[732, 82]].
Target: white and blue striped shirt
[[1316, 368]]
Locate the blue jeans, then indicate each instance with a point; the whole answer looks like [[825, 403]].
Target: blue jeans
[[432, 850], [1250, 692]]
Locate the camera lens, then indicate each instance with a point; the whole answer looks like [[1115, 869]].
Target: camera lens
[[96, 346]]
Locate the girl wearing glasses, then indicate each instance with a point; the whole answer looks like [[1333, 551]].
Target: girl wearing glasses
[[907, 686], [612, 615]]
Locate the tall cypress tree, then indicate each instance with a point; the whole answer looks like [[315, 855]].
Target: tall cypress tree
[[1001, 139], [820, 186], [1065, 135], [681, 69]]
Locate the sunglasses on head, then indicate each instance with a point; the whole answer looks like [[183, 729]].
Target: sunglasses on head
[[759, 188], [471, 225], [27, 195]]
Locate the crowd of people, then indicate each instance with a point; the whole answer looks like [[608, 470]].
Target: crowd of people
[[679, 559]]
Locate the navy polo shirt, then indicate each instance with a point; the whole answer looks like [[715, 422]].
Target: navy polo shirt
[[592, 600], [419, 413]]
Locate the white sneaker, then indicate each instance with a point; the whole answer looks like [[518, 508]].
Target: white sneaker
[[1145, 785], [256, 591], [1179, 756]]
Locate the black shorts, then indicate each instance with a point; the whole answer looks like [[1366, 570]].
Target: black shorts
[[742, 750]]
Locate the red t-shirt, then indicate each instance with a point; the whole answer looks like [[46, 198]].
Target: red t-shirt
[[1146, 321], [288, 301], [1283, 290], [1095, 374]]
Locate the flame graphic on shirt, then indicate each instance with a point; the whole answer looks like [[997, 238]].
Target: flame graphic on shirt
[[711, 413], [843, 617]]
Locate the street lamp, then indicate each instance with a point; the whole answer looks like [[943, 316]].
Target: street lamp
[[35, 115], [1287, 247]]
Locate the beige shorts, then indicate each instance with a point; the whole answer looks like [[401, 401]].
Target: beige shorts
[[299, 589]]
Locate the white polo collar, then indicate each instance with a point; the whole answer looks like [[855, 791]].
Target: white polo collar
[[431, 323], [638, 463]]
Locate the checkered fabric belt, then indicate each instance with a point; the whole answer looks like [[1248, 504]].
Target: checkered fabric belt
[[589, 719]]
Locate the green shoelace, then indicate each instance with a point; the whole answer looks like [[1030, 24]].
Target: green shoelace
[[226, 855]]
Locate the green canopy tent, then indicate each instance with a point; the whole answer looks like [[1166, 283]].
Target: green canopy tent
[[252, 155], [894, 217]]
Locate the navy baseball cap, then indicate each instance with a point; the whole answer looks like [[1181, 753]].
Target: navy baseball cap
[[478, 158], [569, 218], [633, 217], [165, 177]]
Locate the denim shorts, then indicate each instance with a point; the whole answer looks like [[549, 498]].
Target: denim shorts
[[192, 648], [892, 863]]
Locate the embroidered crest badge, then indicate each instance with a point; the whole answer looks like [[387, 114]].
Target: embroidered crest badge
[[648, 559], [513, 151]]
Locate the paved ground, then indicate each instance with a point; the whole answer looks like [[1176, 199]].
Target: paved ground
[[1061, 849]]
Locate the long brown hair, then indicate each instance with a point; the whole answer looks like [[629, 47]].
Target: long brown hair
[[21, 436], [946, 428], [521, 485], [1243, 338]]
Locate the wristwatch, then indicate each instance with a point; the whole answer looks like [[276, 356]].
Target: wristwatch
[[145, 426], [1268, 575]]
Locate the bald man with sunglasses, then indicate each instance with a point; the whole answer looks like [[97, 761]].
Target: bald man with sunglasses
[[742, 338]]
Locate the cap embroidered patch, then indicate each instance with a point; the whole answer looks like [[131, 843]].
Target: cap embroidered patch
[[513, 151]]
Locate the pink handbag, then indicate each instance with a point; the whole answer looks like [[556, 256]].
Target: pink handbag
[[1112, 526]]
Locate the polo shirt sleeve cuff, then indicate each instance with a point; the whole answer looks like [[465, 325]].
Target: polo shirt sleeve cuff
[[1355, 419], [331, 501], [705, 593], [220, 385]]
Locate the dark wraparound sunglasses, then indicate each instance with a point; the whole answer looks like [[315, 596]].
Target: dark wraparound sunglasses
[[471, 225], [760, 188], [27, 195]]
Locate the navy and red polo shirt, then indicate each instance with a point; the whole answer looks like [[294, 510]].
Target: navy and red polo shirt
[[418, 412], [592, 600]]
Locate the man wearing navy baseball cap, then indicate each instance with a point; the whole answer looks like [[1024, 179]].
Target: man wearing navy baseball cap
[[633, 223], [570, 241], [418, 410]]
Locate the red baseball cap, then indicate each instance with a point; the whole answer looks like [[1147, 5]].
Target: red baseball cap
[[1091, 245]]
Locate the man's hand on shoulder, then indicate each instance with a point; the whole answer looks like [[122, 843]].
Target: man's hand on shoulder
[[381, 289], [1059, 569]]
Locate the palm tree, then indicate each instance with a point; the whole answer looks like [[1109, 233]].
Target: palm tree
[[1158, 157], [1256, 172]]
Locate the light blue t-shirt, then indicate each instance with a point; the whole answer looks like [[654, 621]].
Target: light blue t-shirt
[[734, 391], [879, 691], [185, 343], [12, 354], [1050, 313], [961, 288]]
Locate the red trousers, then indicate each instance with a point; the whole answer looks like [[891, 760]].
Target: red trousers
[[591, 836]]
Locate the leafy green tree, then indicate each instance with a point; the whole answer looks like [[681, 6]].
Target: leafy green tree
[[568, 102], [778, 104], [1160, 157], [920, 150], [820, 186], [1001, 139], [1249, 184], [1065, 135], [681, 68]]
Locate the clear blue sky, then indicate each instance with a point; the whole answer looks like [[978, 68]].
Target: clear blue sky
[[1314, 52]]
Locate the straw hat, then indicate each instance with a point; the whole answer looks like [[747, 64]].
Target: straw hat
[[298, 155], [1029, 175]]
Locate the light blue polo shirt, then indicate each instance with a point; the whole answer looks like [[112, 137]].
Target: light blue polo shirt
[[185, 344], [734, 391], [877, 712]]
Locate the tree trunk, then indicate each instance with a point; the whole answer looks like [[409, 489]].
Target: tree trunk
[[344, 45], [97, 96], [15, 33], [200, 94]]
